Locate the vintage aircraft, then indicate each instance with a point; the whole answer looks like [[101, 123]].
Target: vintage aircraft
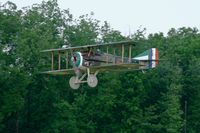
[[89, 60]]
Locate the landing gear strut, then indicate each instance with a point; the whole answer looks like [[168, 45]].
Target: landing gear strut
[[92, 80]]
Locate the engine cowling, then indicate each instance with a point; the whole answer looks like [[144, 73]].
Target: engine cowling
[[77, 59]]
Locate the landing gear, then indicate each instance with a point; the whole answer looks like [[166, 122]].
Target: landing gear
[[73, 82], [92, 80]]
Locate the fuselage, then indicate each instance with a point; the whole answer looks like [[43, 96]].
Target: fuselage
[[83, 60]]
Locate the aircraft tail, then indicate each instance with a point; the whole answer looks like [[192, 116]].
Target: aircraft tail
[[148, 58]]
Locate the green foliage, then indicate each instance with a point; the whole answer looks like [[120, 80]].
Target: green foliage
[[110, 35], [152, 102], [82, 31]]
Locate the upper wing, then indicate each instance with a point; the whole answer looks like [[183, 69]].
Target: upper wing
[[90, 46]]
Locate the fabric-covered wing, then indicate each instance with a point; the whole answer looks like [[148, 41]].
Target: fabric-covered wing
[[59, 72], [116, 67], [103, 68], [90, 46]]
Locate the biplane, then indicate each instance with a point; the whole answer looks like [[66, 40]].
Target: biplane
[[85, 62]]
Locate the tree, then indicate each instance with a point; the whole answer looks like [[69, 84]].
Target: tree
[[152, 102]]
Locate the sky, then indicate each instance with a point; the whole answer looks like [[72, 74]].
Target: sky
[[128, 16]]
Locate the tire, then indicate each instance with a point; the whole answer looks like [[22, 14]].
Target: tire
[[73, 84], [92, 81]]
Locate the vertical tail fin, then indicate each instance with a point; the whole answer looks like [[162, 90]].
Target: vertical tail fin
[[153, 57], [148, 57]]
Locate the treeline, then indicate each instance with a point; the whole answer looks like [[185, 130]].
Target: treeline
[[162, 100]]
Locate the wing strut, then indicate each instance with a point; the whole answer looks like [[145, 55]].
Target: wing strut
[[58, 60], [114, 55], [52, 60], [107, 54], [122, 53], [130, 49], [67, 60]]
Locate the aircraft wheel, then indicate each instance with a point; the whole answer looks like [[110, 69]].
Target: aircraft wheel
[[73, 84], [92, 80]]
